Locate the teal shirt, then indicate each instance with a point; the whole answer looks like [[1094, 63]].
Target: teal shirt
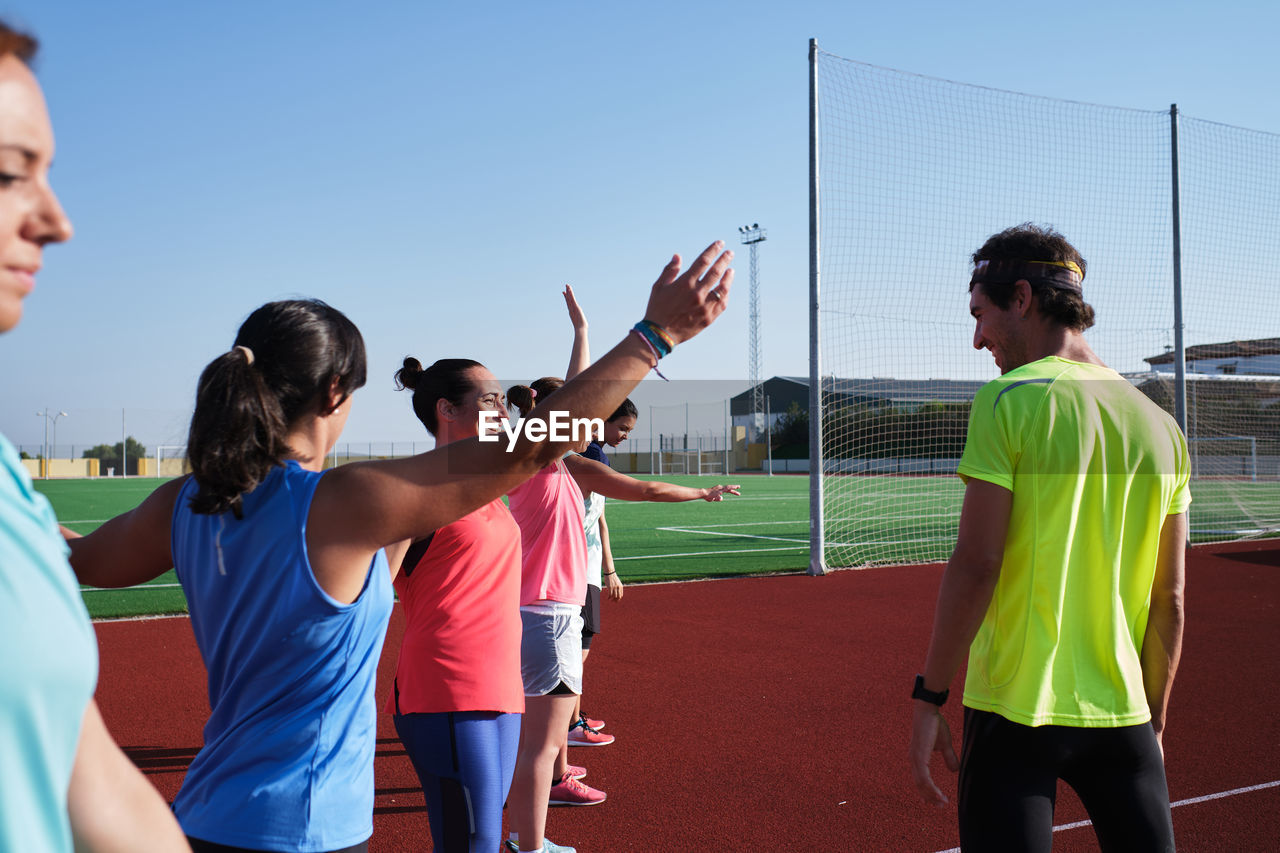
[[48, 667]]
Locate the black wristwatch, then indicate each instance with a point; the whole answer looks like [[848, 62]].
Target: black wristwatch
[[918, 692]]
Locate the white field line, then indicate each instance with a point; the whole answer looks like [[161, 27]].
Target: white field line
[[715, 553], [734, 535], [143, 618], [803, 521], [805, 542], [123, 588], [737, 499], [1188, 802]]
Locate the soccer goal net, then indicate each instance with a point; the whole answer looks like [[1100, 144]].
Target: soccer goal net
[[171, 460], [677, 461], [911, 174], [688, 438]]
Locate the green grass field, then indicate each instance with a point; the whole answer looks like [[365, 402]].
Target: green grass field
[[766, 529]]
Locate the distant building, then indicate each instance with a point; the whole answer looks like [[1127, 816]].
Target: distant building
[[782, 391], [1259, 357]]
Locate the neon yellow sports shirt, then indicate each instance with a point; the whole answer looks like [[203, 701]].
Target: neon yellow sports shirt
[[1094, 467]]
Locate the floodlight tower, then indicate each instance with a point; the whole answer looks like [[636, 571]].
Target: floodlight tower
[[753, 235], [48, 419]]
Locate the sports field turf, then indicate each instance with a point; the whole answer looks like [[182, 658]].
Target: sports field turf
[[766, 529]]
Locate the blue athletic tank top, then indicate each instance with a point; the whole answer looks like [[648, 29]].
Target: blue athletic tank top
[[287, 762]]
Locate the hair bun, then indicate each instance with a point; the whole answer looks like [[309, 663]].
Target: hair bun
[[407, 376]]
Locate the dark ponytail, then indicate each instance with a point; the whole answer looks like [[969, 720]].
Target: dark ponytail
[[286, 358], [525, 397], [446, 379], [520, 398]]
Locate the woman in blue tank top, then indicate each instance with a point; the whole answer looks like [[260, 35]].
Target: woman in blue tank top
[[283, 565]]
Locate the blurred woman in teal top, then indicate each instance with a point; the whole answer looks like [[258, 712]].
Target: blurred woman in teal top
[[63, 781]]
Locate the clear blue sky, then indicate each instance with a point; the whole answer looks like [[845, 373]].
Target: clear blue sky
[[439, 171]]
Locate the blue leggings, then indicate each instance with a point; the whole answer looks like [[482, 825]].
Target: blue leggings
[[465, 760]]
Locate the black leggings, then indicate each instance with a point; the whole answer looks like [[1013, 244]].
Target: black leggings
[[1009, 776]]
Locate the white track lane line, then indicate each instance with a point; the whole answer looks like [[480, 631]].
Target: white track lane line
[[1189, 802]]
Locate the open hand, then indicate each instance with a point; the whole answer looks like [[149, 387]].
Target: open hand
[[576, 316], [686, 303], [717, 493]]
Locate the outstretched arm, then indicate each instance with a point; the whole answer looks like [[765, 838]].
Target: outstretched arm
[[361, 507], [593, 476], [111, 805], [580, 356], [967, 586], [131, 548], [1162, 642]]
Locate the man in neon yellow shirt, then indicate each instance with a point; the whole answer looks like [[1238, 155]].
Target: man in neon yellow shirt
[[1066, 581]]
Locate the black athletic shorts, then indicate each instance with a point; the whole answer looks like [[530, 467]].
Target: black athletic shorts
[[590, 616], [1009, 776]]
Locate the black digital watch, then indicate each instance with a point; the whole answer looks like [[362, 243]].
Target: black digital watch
[[919, 692]]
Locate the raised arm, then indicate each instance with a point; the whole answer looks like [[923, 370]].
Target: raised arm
[[593, 476], [364, 506], [131, 548], [580, 356], [1162, 642]]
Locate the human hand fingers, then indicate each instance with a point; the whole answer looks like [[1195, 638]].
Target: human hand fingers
[[923, 779], [946, 746], [714, 275], [684, 304], [704, 263], [576, 316], [733, 490], [926, 731]]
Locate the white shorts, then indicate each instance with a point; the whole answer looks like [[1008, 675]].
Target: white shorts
[[551, 647]]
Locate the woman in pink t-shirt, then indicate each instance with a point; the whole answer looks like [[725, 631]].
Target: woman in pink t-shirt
[[549, 510]]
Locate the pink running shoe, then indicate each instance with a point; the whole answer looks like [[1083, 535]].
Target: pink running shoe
[[583, 735], [576, 772], [595, 724], [570, 792]]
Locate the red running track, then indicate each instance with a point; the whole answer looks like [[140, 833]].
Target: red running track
[[772, 713]]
